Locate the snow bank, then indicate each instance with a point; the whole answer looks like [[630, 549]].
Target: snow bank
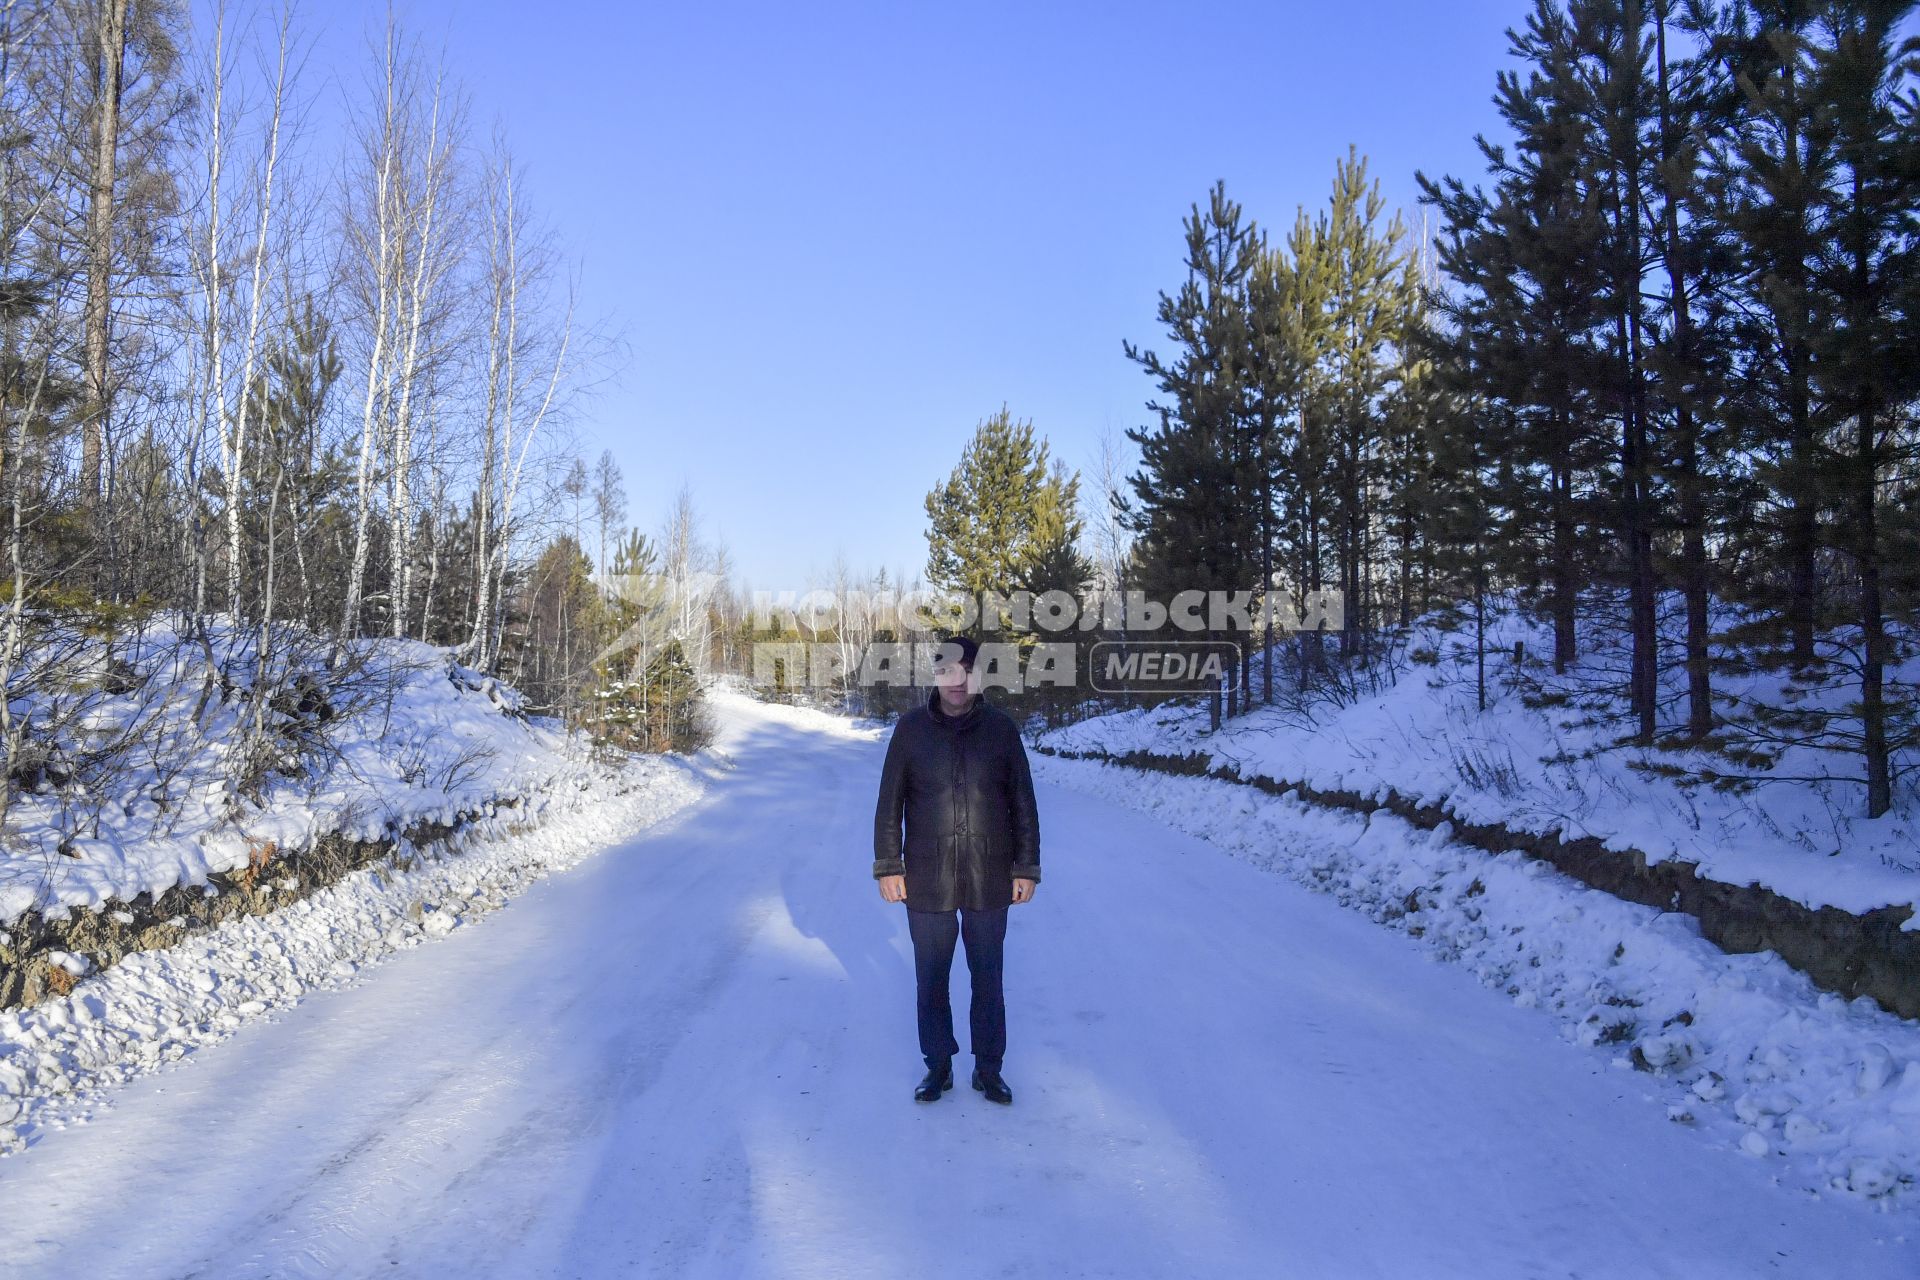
[[155, 1007], [195, 789], [1552, 764], [1743, 1047]]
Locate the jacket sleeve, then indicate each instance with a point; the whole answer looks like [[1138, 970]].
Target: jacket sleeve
[[1026, 816], [887, 814]]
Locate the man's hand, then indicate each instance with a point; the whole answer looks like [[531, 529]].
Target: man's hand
[[893, 888], [1023, 890]]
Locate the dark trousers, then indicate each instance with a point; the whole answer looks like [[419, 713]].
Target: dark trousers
[[934, 933]]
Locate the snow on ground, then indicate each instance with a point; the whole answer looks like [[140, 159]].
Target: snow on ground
[[1824, 1091], [693, 1056], [423, 740], [1555, 768], [59, 1058]]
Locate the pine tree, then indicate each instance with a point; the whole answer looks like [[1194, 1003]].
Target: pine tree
[[559, 616], [1526, 309], [1469, 472], [1866, 330], [1305, 457], [980, 520], [293, 478], [1287, 340], [1055, 562], [1777, 155], [1370, 304], [1415, 402], [1006, 520], [1691, 353], [1192, 506], [1619, 106]]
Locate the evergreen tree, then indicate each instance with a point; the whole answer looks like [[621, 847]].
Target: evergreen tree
[[1005, 520], [1866, 331], [660, 709], [1470, 472], [1195, 498], [293, 477], [554, 643], [1286, 323], [1525, 262], [1056, 563], [1620, 108], [1370, 305], [1304, 458], [1691, 353], [980, 520], [1772, 161]]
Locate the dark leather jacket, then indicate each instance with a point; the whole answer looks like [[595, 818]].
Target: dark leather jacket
[[961, 784]]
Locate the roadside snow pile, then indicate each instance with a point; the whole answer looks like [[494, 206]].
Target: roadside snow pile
[[1742, 1046], [1544, 757], [163, 757], [155, 1007]]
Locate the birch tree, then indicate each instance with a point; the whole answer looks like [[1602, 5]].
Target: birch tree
[[527, 360], [372, 223], [428, 258], [228, 387]]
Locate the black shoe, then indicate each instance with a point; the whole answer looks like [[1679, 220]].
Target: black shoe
[[937, 1081], [987, 1080]]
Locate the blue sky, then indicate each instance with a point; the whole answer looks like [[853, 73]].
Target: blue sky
[[835, 236]]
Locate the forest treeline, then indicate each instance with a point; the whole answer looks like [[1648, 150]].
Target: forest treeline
[[1649, 373], [1653, 371], [289, 361], [1651, 376]]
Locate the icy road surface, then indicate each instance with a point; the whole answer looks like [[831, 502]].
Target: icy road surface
[[693, 1056]]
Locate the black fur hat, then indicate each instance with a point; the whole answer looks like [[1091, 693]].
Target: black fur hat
[[966, 645]]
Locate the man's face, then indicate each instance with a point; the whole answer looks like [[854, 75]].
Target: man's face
[[954, 679]]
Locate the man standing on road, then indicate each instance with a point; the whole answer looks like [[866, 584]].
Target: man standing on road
[[956, 771]]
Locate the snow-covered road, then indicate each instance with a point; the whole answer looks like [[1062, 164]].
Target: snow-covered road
[[694, 1056]]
